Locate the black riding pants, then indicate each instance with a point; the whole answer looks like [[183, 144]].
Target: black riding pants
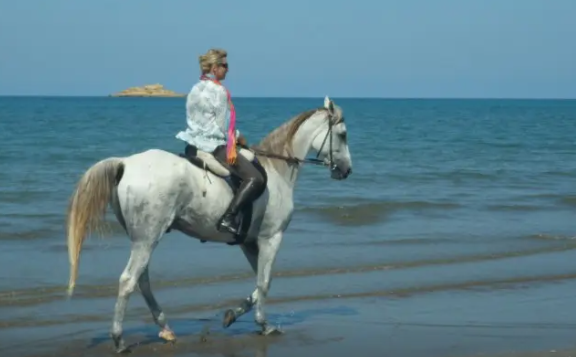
[[253, 178]]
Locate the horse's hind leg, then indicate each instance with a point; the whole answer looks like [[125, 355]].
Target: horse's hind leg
[[144, 284], [139, 258]]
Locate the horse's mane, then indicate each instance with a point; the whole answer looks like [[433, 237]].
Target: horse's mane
[[279, 141], [281, 138]]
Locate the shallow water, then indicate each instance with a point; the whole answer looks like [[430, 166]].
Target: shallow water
[[446, 195]]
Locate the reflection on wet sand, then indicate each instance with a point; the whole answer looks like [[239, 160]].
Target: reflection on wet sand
[[195, 337], [34, 296], [511, 283]]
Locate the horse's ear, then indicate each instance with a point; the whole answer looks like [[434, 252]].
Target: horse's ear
[[329, 104]]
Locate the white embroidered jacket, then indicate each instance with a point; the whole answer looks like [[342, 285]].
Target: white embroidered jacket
[[207, 116]]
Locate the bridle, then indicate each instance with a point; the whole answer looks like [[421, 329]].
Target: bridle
[[315, 161]]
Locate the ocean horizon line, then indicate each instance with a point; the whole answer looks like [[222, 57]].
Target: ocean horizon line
[[296, 97]]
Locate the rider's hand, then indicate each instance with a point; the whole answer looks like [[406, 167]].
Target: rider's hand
[[242, 141], [231, 159]]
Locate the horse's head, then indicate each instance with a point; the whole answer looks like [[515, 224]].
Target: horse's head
[[331, 143]]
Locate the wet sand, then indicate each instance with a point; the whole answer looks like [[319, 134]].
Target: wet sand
[[436, 298], [405, 297], [515, 318], [551, 353]]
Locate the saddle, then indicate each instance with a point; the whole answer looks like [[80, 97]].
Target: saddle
[[207, 161]]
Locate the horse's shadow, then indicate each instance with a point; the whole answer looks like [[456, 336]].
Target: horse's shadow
[[210, 327]]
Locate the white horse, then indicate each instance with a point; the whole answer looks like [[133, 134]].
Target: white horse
[[155, 191]]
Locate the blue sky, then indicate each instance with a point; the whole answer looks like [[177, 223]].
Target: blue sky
[[353, 48]]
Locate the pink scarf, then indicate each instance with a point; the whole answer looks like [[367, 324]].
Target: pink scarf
[[231, 142]]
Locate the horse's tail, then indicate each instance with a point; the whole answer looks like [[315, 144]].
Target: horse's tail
[[88, 206]]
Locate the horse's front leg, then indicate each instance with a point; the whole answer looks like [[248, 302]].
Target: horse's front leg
[[268, 248], [251, 252]]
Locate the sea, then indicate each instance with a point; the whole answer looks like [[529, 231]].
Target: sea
[[459, 215]]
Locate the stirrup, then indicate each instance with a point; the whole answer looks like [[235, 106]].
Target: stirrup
[[228, 229], [225, 229], [239, 238]]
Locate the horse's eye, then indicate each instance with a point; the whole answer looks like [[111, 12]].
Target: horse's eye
[[343, 135]]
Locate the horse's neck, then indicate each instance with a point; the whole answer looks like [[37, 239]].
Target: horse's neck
[[302, 143], [305, 135]]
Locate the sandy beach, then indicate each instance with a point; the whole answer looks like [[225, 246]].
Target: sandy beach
[[519, 317]]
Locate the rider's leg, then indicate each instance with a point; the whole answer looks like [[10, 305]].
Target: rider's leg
[[252, 186]]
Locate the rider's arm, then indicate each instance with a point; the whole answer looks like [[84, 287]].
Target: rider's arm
[[218, 100]]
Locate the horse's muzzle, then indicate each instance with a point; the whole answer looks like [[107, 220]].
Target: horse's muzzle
[[339, 174]]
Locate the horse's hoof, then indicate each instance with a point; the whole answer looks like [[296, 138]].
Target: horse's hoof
[[121, 347], [123, 350], [167, 335], [271, 331], [229, 318]]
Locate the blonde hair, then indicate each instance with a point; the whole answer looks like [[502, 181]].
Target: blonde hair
[[210, 58]]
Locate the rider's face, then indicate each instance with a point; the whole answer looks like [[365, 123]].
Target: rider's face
[[220, 70]]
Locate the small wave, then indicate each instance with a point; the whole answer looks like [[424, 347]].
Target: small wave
[[557, 198], [552, 237], [34, 215], [25, 197], [463, 175], [568, 200], [562, 199], [501, 145], [20, 231], [514, 208], [373, 212], [400, 241], [41, 233], [560, 173], [544, 196]]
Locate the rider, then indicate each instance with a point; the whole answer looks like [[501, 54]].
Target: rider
[[210, 117]]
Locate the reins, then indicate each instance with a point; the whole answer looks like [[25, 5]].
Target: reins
[[289, 159]]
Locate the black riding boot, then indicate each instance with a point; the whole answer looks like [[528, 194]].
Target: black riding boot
[[229, 221]]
